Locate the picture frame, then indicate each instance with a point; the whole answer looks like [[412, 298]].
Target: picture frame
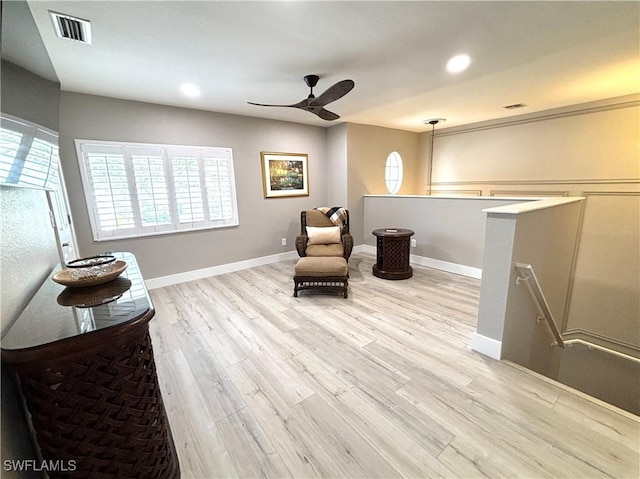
[[284, 174]]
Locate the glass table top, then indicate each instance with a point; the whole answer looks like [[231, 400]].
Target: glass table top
[[57, 312]]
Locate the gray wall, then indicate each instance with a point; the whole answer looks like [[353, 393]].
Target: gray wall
[[611, 378], [28, 249], [446, 229], [546, 238], [590, 151], [568, 151], [29, 96], [367, 151], [605, 300], [263, 222], [27, 244], [497, 267], [27, 254], [337, 166], [24, 237]]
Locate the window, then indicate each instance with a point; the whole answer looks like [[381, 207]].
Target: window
[[28, 154], [393, 172], [145, 189]]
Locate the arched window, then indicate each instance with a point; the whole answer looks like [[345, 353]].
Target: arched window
[[393, 172]]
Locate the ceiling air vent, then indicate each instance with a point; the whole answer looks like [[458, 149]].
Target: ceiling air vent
[[514, 106], [71, 28]]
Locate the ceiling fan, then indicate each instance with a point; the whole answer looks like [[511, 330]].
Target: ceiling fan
[[315, 104]]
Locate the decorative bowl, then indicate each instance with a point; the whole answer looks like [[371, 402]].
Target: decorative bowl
[[71, 278]]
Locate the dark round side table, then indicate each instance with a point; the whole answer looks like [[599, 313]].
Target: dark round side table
[[392, 259]]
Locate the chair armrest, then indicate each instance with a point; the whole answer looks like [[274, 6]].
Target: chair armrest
[[347, 245], [301, 245]]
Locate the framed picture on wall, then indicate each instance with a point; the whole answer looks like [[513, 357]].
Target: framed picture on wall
[[284, 174]]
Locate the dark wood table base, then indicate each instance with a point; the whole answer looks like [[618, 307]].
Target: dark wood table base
[[83, 361], [392, 253], [101, 415], [406, 273]]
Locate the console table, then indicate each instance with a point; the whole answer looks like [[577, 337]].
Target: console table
[[392, 253], [84, 363]]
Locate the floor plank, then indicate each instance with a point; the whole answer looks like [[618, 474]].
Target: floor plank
[[409, 446], [258, 383], [201, 451], [251, 452], [302, 456]]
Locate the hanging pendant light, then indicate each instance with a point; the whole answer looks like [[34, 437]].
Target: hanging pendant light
[[433, 124]]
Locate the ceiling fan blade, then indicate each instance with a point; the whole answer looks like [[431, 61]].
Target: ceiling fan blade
[[326, 114], [333, 93], [264, 104]]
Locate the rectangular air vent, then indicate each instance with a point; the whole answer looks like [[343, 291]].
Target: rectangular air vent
[[514, 106], [71, 28]]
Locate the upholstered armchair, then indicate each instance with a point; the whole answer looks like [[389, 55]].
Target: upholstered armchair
[[319, 236]]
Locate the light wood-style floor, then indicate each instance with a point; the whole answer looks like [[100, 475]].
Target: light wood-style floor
[[258, 383]]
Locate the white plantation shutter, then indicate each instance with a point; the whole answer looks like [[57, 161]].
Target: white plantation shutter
[[219, 185], [111, 196], [41, 165], [28, 154], [189, 189], [9, 146], [142, 189], [154, 206]]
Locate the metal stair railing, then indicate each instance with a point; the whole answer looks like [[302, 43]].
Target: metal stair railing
[[527, 275], [590, 345]]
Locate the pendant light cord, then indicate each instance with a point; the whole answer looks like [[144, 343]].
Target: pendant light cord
[[433, 130]]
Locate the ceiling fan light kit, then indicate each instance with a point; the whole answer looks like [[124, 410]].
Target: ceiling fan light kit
[[316, 105]]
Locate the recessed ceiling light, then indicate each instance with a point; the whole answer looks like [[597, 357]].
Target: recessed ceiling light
[[458, 63], [189, 89]]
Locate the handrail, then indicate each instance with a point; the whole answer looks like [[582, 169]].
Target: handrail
[[526, 273], [571, 342]]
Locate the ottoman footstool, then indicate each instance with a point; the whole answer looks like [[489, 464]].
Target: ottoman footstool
[[327, 273]]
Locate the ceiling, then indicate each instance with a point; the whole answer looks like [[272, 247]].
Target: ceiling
[[542, 54]]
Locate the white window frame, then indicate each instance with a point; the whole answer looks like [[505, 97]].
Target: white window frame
[[127, 150], [53, 182], [21, 164], [393, 172]]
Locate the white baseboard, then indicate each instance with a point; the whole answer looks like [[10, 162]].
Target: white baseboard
[[487, 346], [455, 268], [168, 280], [365, 248], [360, 249]]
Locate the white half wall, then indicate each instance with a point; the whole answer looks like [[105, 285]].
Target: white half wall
[[448, 230], [543, 234]]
